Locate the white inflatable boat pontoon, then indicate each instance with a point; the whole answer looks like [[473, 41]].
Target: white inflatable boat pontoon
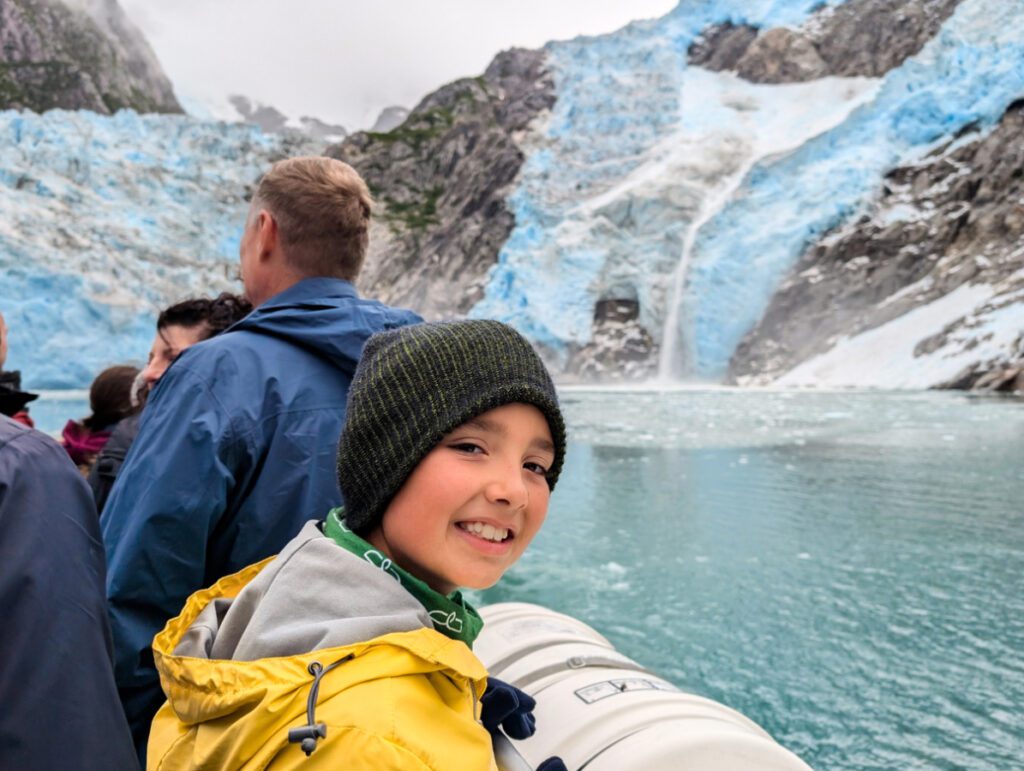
[[601, 711]]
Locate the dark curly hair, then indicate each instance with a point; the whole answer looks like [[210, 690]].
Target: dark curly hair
[[214, 316]]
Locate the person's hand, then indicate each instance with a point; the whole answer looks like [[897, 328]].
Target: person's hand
[[506, 706]]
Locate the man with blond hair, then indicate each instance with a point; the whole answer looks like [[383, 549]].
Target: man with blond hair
[[237, 442]]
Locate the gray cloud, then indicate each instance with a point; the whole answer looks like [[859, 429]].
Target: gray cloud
[[343, 61]]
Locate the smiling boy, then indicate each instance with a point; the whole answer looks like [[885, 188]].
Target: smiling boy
[[352, 646]]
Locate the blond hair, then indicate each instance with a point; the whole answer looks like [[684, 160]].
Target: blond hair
[[322, 209]]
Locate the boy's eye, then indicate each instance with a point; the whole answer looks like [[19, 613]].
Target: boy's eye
[[467, 447], [536, 468]]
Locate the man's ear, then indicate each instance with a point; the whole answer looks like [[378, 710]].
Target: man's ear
[[266, 234]]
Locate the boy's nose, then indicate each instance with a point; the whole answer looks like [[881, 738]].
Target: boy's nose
[[508, 488]]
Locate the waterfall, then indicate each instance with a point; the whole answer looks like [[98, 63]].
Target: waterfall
[[672, 356], [741, 126]]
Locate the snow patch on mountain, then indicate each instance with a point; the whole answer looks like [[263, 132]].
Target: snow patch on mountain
[[891, 355]]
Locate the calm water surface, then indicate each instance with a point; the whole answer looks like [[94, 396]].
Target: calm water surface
[[847, 569]]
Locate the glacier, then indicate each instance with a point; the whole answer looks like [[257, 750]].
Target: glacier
[[690, 192], [620, 99], [106, 220], [967, 75], [701, 232]]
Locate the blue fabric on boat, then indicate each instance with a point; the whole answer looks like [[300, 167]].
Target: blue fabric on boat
[[59, 706], [236, 450]]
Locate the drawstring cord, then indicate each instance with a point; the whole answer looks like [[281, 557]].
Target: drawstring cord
[[308, 735]]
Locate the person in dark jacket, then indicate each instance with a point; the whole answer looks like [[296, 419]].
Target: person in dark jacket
[[59, 705], [178, 327], [237, 442], [12, 398]]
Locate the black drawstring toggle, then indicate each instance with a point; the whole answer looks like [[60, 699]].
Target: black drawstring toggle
[[308, 735]]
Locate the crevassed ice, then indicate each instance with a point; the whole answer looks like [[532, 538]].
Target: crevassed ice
[[106, 220]]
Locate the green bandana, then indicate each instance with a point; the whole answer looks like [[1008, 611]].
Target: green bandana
[[452, 616]]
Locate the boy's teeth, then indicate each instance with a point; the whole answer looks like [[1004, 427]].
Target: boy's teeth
[[488, 532]]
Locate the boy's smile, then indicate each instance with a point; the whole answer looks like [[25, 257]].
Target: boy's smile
[[474, 502]]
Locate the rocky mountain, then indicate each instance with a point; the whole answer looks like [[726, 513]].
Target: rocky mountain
[[78, 54], [643, 218], [390, 118], [272, 120], [859, 38], [440, 180]]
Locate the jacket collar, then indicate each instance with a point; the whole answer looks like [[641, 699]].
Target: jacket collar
[[227, 683], [311, 288]]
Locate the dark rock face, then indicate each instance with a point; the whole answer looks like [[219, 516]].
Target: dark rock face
[[953, 218], [440, 180], [88, 56], [721, 47], [865, 38], [620, 349]]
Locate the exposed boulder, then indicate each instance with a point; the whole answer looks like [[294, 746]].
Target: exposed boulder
[[722, 46], [620, 349], [82, 55], [440, 180], [782, 55], [859, 38]]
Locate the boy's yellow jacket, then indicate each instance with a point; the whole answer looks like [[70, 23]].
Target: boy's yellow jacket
[[404, 700]]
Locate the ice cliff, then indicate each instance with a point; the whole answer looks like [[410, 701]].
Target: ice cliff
[[106, 219]]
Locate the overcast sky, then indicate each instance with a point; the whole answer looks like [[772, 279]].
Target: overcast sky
[[344, 61]]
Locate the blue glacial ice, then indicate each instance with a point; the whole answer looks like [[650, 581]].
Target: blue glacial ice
[[610, 189], [106, 219], [619, 97], [968, 74]]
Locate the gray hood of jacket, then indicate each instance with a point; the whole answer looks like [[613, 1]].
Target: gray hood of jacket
[[314, 595]]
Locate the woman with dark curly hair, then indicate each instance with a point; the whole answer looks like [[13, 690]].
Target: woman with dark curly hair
[[178, 327]]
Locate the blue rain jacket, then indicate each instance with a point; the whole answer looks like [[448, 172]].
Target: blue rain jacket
[[58, 702], [236, 450]]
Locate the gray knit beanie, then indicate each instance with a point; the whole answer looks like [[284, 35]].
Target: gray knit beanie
[[414, 385]]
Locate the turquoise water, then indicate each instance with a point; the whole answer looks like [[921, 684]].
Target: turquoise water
[[844, 568]]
